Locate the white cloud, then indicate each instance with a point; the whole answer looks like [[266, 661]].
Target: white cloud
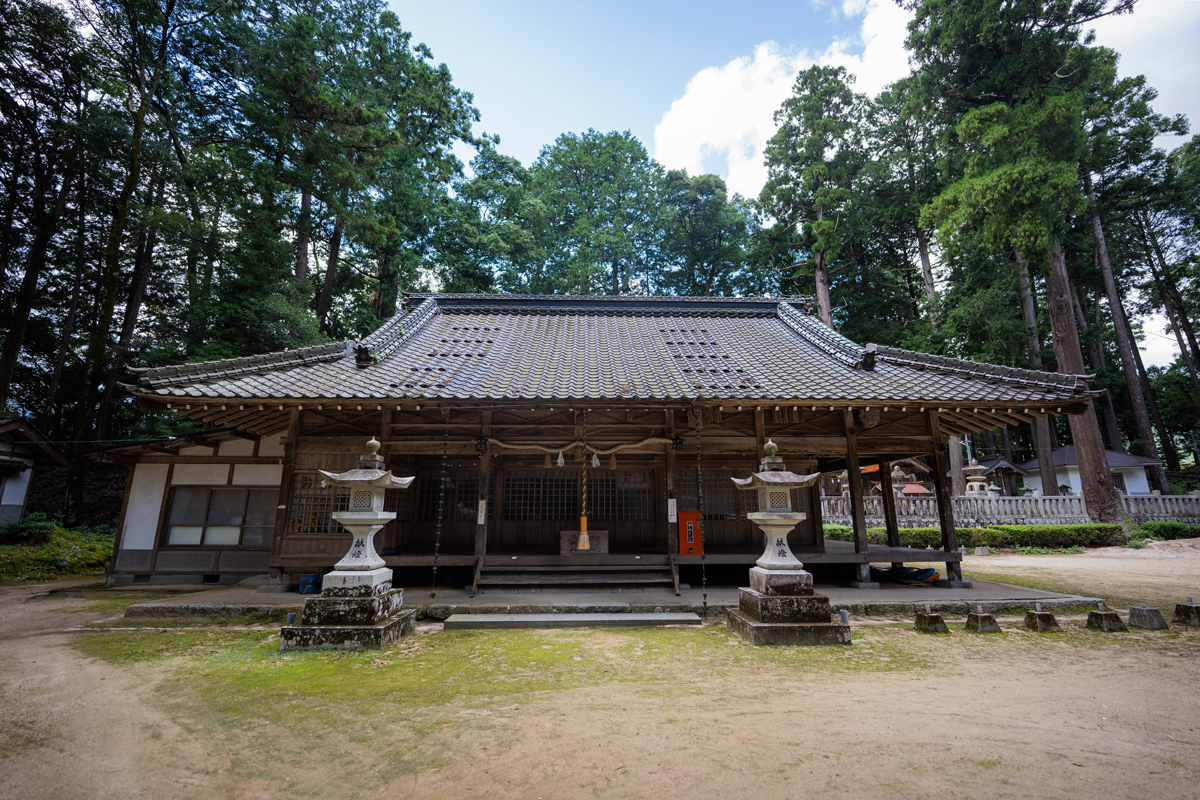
[[728, 111], [1158, 40]]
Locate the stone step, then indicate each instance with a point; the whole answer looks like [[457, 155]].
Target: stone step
[[520, 579], [485, 622]]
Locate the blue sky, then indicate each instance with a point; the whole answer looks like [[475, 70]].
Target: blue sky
[[698, 82], [538, 69]]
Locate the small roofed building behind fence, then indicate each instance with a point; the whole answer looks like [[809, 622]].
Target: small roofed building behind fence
[[499, 405], [22, 450], [1128, 472]]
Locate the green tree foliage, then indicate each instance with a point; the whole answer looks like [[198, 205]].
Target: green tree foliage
[[812, 161]]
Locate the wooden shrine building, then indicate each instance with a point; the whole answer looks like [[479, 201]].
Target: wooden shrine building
[[479, 396]]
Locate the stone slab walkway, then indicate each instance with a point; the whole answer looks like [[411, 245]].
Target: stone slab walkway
[[889, 600]]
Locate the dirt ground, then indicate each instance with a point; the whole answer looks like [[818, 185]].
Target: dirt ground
[[611, 713]]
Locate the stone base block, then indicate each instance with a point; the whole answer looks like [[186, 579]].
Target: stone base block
[[786, 582], [982, 551], [1148, 619], [949, 584], [779, 609], [1042, 622], [1105, 621], [786, 634], [982, 623], [930, 622], [326, 610], [864, 585], [1187, 614], [348, 637], [568, 543], [357, 583]]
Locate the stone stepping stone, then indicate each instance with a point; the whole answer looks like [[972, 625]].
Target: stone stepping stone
[[491, 622], [1105, 621], [1041, 622], [980, 622], [1146, 618], [930, 622], [1187, 614]]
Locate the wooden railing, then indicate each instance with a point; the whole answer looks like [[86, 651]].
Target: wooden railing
[[978, 512]]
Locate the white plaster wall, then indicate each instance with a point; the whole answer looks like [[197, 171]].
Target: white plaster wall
[[236, 447], [15, 486], [1135, 480], [200, 474], [145, 503], [196, 450], [271, 446], [257, 474]]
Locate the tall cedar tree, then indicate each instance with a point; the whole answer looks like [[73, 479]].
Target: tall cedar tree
[[1008, 73], [811, 162]]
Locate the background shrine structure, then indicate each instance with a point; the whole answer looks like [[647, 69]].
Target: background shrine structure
[[476, 396]]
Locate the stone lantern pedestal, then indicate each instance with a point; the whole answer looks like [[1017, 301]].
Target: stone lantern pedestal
[[357, 607], [779, 607]]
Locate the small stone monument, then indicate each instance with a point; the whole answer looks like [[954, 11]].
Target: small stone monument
[[1187, 614], [981, 622], [1041, 621], [929, 621], [1146, 618], [1105, 620], [357, 608], [780, 607]]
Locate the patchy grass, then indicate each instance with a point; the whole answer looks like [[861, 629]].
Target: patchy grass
[[60, 552]]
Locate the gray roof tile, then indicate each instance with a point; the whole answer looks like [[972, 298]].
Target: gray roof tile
[[498, 347]]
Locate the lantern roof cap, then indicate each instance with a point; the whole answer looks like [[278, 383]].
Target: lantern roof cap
[[776, 480], [367, 472]]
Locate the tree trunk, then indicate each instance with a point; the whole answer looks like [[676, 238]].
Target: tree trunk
[[1125, 345], [1169, 453], [926, 266], [616, 275], [110, 278], [1176, 327], [326, 296], [64, 346], [47, 210], [142, 262], [12, 200], [302, 232], [1172, 288], [1094, 474], [1040, 427], [958, 478]]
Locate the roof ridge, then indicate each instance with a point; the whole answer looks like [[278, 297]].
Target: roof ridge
[[977, 369], [823, 337], [154, 377], [389, 336]]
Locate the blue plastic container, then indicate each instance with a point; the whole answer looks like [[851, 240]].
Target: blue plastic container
[[309, 584]]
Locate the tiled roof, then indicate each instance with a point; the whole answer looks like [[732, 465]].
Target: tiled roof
[[503, 347], [1065, 457]]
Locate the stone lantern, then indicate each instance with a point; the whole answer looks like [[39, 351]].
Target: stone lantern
[[357, 607], [976, 483], [780, 606]]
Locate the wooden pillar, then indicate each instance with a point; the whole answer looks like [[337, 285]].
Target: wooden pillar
[[817, 517], [485, 474], [760, 434], [858, 514], [941, 487], [283, 504], [890, 520], [664, 512]]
